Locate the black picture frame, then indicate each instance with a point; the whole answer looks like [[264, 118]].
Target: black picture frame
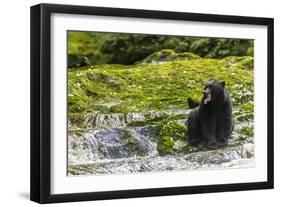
[[41, 95]]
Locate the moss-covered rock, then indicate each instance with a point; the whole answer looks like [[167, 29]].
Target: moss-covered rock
[[245, 112], [150, 87], [159, 120], [172, 139], [75, 61], [247, 133], [244, 62], [165, 145], [132, 145], [168, 55]]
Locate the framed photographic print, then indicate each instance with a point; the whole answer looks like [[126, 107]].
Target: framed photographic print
[[133, 103]]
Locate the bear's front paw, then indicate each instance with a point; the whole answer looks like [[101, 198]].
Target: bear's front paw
[[194, 142], [212, 145], [222, 143]]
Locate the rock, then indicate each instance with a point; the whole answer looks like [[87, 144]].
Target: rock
[[244, 62], [98, 120], [248, 150], [75, 61], [179, 145], [111, 143], [168, 55], [222, 155], [172, 139]]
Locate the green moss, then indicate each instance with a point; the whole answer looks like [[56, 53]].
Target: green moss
[[131, 144], [174, 129], [244, 93], [165, 145], [76, 133], [244, 62], [168, 55], [245, 112], [235, 143], [172, 139], [76, 119], [247, 63], [246, 133], [142, 88]]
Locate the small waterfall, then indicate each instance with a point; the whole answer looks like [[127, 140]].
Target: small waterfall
[[109, 120], [111, 143], [135, 117], [80, 149], [146, 139]]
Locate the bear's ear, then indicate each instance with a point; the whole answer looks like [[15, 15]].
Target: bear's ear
[[223, 83]]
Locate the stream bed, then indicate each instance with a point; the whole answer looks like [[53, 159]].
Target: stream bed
[[107, 144]]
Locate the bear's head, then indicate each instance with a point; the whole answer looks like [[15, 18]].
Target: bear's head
[[214, 92]]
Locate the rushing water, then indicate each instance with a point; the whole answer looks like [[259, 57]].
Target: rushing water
[[101, 148], [236, 157], [96, 120]]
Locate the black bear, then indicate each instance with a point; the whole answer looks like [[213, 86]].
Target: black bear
[[211, 121]]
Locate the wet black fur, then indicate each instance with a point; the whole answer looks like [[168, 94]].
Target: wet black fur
[[191, 103], [211, 122]]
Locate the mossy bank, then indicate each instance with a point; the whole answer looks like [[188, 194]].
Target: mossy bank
[[155, 87]]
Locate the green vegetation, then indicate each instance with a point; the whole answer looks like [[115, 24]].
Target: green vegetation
[[110, 48], [172, 139], [245, 112], [76, 133], [247, 133], [154, 87], [131, 144], [244, 62], [168, 55]]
